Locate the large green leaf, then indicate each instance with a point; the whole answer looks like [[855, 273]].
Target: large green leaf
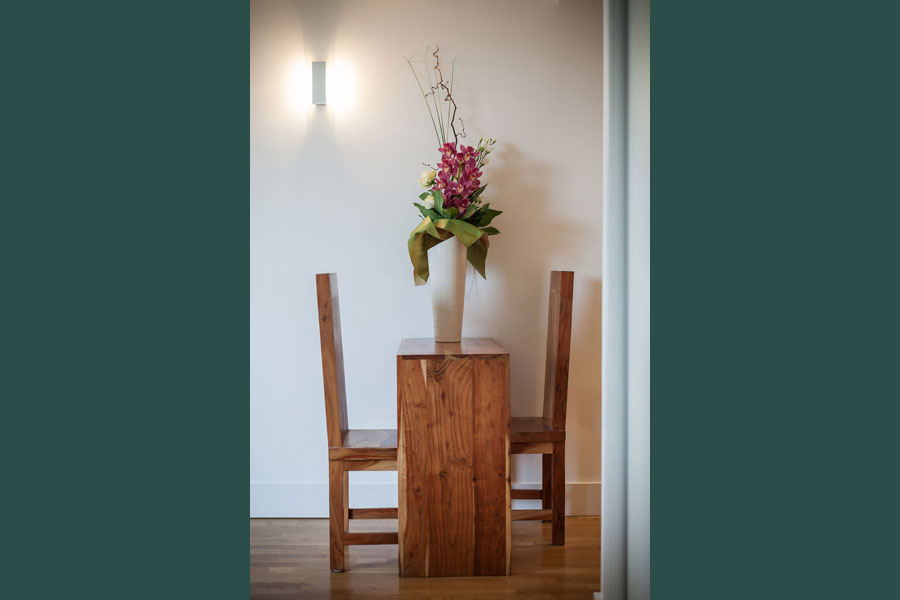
[[427, 226], [427, 234], [490, 230], [477, 193], [487, 216], [467, 233], [477, 255], [426, 212], [438, 202], [418, 245], [480, 211], [484, 213], [470, 211]]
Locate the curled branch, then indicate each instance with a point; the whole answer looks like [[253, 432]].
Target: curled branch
[[448, 95], [463, 125], [435, 91]]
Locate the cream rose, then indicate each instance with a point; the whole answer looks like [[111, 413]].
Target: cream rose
[[426, 178]]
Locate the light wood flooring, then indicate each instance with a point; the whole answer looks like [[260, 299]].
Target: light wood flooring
[[289, 559]]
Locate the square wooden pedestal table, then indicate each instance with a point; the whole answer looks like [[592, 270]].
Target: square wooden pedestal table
[[453, 458]]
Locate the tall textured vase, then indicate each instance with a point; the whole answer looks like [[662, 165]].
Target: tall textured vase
[[447, 279]]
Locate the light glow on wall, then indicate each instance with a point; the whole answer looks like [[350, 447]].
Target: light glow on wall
[[340, 85], [342, 80], [298, 86]]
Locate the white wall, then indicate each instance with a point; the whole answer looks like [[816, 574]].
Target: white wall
[[331, 189]]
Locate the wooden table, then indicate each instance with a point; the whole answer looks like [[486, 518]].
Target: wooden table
[[453, 458]]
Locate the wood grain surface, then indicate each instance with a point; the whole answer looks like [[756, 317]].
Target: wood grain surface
[[467, 347], [453, 463], [527, 515], [558, 494], [373, 513], [491, 469], [336, 514], [559, 338], [348, 449], [532, 448], [370, 465], [332, 358], [533, 429], [546, 435], [289, 559], [376, 537]]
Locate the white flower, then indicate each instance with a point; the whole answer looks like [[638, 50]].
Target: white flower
[[426, 177], [429, 200], [485, 160]]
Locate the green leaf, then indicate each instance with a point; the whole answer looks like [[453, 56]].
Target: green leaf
[[479, 211], [428, 234], [467, 233], [477, 254], [426, 212], [423, 195], [490, 230], [427, 226], [477, 193], [439, 205], [452, 212], [488, 216], [470, 211], [419, 243]]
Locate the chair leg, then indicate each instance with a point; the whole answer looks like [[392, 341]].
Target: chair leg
[[559, 494], [346, 486], [547, 479], [336, 514]]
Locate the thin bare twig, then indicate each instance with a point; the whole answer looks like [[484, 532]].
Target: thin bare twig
[[424, 97], [441, 84]]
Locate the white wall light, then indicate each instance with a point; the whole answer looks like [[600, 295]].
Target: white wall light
[[318, 82]]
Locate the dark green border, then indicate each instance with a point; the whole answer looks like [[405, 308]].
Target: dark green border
[[775, 276], [125, 299]]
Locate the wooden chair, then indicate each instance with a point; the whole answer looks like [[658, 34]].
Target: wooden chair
[[348, 449], [547, 435]]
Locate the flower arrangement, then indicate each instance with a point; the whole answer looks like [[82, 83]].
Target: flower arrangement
[[452, 203]]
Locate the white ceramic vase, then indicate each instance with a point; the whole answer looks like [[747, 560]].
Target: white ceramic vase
[[447, 279]]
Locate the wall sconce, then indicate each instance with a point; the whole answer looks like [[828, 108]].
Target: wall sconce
[[318, 82]]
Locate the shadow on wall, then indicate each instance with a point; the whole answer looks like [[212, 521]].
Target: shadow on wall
[[535, 241], [584, 407]]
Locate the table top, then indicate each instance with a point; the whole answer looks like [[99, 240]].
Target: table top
[[427, 348]]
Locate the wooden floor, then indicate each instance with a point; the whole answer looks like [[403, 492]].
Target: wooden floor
[[289, 559]]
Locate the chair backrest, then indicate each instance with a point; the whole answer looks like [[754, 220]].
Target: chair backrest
[[559, 338], [332, 358]]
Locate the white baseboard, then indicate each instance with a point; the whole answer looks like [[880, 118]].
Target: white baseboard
[[310, 500]]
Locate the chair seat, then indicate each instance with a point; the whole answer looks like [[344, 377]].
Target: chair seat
[[370, 438], [366, 444], [533, 430]]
